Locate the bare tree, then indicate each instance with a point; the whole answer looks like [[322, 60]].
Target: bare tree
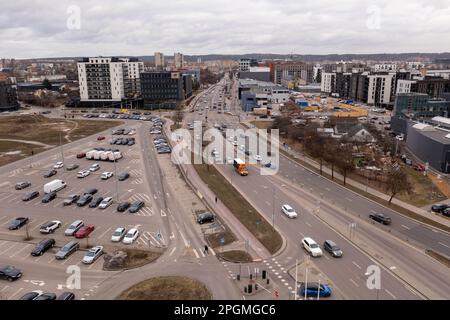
[[344, 161], [397, 182]]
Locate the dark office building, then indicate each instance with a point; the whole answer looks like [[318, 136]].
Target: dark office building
[[8, 95], [165, 86], [420, 106], [435, 87]]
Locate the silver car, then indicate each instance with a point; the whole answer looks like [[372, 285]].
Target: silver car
[[93, 254], [67, 250], [70, 231]]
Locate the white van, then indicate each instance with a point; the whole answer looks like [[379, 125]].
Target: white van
[[54, 185]]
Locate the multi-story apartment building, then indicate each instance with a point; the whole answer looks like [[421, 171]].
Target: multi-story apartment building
[[159, 61], [178, 60], [109, 79], [328, 83], [8, 94], [381, 89], [291, 70]]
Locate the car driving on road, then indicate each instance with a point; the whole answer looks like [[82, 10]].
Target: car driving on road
[[289, 211], [314, 289], [311, 247], [381, 218], [123, 176], [332, 248]]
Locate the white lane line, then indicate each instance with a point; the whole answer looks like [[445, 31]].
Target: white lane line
[[356, 264], [348, 199], [6, 287], [307, 223], [103, 234], [352, 281], [407, 228], [19, 251], [443, 244], [172, 251], [196, 254], [15, 293], [389, 293], [201, 252], [301, 234], [1, 253]]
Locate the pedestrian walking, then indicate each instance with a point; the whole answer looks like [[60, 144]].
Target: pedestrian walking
[[216, 199], [206, 249]]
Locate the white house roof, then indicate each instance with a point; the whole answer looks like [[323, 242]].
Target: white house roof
[[442, 120], [423, 127]]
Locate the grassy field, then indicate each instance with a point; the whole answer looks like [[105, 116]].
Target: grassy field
[[240, 207], [44, 130], [261, 124], [236, 256], [167, 288]]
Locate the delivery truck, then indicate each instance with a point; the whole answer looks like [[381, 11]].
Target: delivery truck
[[240, 167], [54, 185]]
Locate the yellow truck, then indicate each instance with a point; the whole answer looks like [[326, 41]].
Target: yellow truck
[[240, 167]]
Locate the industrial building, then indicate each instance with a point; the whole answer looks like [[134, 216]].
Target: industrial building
[[256, 73], [256, 94]]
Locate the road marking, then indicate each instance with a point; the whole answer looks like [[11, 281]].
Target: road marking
[[407, 228], [301, 234], [163, 214], [6, 287], [348, 199], [8, 248], [352, 281], [15, 293], [443, 244], [101, 236], [172, 251], [196, 254], [17, 252], [356, 264], [389, 293], [201, 252], [393, 268], [307, 223]]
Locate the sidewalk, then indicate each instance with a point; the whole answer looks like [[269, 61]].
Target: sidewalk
[[256, 249]]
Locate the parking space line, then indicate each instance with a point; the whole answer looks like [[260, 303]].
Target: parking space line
[[196, 254], [103, 234], [9, 248], [4, 217], [19, 251], [15, 293], [4, 288]]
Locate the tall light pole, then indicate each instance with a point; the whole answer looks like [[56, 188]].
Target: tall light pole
[[273, 208], [62, 148]]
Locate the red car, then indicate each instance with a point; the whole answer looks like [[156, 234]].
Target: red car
[[419, 167], [101, 138], [84, 231], [81, 155]]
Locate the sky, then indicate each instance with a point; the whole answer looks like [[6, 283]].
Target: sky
[[60, 28]]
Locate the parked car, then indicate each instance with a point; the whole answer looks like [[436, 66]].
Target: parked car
[[136, 206], [70, 199], [446, 212], [81, 155], [106, 202], [381, 218], [94, 167], [289, 211], [42, 246], [118, 234], [123, 206], [93, 254], [72, 167], [123, 176], [50, 226], [31, 295], [106, 175], [312, 247], [74, 226], [332, 248], [91, 191], [131, 236], [58, 165], [84, 200], [66, 296], [49, 197], [30, 195], [67, 250], [419, 167], [83, 173], [100, 138], [17, 223], [50, 173], [22, 185], [46, 296], [10, 273], [205, 217], [439, 207], [258, 157], [95, 202], [84, 231], [313, 289]]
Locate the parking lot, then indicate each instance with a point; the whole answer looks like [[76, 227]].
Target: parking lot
[[148, 220]]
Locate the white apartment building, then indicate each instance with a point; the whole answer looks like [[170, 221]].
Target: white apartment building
[[109, 79], [178, 60], [244, 64], [380, 88], [159, 60], [384, 67], [404, 86], [328, 82]]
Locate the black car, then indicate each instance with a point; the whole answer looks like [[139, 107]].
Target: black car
[[332, 248], [30, 195], [131, 143], [66, 296], [71, 199], [205, 217], [49, 197], [95, 202], [91, 191], [42, 246], [446, 212], [22, 185], [439, 208], [136, 206], [17, 223], [10, 273], [50, 173], [30, 295], [72, 167], [123, 206], [123, 176], [47, 296], [84, 200], [381, 218]]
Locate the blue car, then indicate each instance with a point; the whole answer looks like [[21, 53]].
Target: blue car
[[313, 288]]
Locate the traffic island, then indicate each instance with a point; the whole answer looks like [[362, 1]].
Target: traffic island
[[123, 259], [167, 288], [253, 282]]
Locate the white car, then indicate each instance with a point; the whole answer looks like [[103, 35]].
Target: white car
[[106, 202], [83, 174], [118, 234], [50, 227], [257, 157], [94, 167], [58, 165], [289, 211], [131, 236], [93, 254], [106, 175], [312, 247]]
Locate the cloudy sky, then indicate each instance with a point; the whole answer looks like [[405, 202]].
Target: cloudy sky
[[52, 28]]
